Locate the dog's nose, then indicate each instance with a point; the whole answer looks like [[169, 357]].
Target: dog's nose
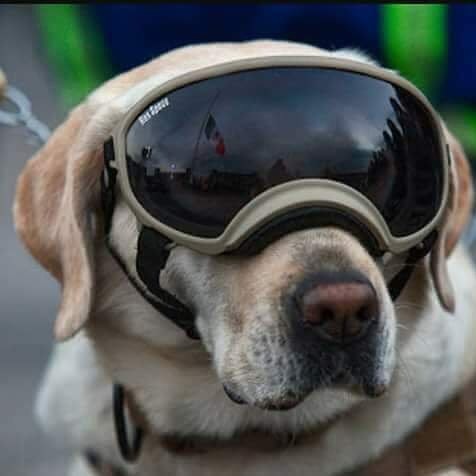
[[340, 307]]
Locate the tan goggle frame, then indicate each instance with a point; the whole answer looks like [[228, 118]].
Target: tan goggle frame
[[291, 195]]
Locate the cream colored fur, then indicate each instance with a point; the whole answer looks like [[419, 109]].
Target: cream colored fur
[[426, 355]]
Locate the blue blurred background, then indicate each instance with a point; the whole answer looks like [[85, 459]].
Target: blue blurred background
[[431, 44], [58, 53]]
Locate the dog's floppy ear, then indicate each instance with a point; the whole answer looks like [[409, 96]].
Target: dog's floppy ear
[[456, 217], [55, 196]]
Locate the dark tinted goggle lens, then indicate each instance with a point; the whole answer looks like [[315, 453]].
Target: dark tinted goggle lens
[[199, 154]]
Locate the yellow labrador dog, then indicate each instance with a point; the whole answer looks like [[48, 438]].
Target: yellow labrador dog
[[421, 355]]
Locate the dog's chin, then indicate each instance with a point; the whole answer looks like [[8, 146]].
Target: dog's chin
[[368, 386], [279, 404]]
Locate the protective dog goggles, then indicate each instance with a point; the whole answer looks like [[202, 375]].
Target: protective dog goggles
[[213, 157]]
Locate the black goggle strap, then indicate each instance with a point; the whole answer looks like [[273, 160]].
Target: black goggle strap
[[152, 254], [108, 186], [398, 282], [303, 219]]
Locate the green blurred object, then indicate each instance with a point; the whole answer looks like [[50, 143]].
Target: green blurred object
[[415, 42], [75, 48]]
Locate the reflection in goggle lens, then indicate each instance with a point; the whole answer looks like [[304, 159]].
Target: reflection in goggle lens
[[198, 155]]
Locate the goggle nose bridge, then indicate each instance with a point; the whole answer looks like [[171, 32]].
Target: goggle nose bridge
[[305, 218]]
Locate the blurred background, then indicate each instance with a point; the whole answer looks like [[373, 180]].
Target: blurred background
[[57, 54]]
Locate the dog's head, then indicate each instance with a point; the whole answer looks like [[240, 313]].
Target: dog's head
[[309, 316]]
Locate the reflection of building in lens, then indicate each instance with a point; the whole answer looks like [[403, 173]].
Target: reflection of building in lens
[[238, 182], [216, 180], [176, 173], [355, 179], [380, 177], [147, 175]]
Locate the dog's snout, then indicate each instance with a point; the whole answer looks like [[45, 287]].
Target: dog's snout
[[339, 306]]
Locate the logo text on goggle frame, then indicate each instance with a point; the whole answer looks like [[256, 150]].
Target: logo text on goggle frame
[[153, 110]]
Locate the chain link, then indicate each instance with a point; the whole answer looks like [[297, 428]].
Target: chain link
[[22, 115]]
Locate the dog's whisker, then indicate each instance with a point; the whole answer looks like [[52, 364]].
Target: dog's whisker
[[408, 378], [410, 305], [422, 339]]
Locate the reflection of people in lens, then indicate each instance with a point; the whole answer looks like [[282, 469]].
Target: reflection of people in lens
[[146, 154], [278, 173], [380, 176]]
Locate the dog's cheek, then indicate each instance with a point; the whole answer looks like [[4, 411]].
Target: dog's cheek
[[212, 332], [388, 354], [202, 283], [389, 324]]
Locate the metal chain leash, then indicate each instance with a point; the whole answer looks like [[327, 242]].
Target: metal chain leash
[[19, 112]]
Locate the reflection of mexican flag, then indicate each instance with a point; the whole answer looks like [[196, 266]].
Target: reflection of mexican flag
[[214, 136]]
